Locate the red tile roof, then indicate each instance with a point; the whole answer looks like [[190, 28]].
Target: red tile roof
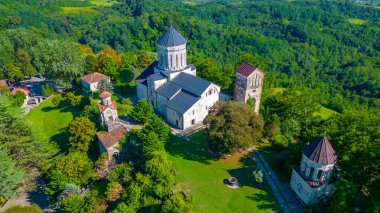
[[105, 94], [4, 83], [146, 73], [321, 152], [94, 77], [103, 108], [21, 89], [246, 69], [109, 139]]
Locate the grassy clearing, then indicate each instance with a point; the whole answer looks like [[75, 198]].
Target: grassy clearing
[[325, 113], [102, 2], [53, 122], [78, 11], [203, 179], [355, 21]]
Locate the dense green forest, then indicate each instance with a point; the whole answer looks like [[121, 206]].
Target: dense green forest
[[332, 47], [325, 53]]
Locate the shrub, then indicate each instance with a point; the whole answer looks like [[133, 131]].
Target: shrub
[[279, 142], [114, 190], [56, 100], [19, 98], [47, 90], [258, 176], [74, 100], [24, 209]]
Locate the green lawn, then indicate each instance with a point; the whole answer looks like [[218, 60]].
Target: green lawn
[[203, 179], [52, 122]]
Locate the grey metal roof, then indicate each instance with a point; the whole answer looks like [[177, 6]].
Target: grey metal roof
[[171, 38], [182, 102], [321, 151], [157, 76], [191, 83], [168, 89]]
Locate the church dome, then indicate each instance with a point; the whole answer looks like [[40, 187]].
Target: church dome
[[171, 38], [321, 152]]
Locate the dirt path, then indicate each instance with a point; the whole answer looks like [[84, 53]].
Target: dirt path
[[37, 196]]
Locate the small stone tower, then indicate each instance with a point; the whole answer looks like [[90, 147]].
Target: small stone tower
[[312, 180], [248, 84], [107, 109]]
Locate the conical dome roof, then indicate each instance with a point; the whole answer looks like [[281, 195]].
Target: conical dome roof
[[321, 152], [171, 38]]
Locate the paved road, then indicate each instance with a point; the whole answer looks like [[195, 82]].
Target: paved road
[[282, 191]]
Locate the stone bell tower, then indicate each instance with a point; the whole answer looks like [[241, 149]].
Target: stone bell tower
[[107, 110], [248, 84]]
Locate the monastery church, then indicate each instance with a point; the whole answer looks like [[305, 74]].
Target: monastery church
[[176, 93]]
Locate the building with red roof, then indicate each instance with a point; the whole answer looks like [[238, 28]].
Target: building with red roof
[[90, 81], [108, 141], [248, 84]]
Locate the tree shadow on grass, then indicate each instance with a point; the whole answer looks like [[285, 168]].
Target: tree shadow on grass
[[195, 149], [265, 202], [62, 140]]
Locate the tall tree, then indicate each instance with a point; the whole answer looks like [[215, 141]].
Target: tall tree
[[232, 125], [142, 112], [82, 132], [10, 176], [104, 85]]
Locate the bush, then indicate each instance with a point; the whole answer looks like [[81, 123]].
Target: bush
[[279, 142], [47, 90], [73, 204], [258, 176], [74, 100], [19, 98], [114, 190], [56, 100]]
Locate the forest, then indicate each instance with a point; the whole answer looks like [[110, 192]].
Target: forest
[[324, 53]]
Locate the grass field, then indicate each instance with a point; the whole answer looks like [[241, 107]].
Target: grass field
[[52, 122], [78, 10], [356, 21], [203, 178], [325, 113], [102, 2]]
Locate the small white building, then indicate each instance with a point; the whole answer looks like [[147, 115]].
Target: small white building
[[312, 180], [90, 81], [172, 87]]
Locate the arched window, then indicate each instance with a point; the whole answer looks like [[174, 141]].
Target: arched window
[[171, 60]]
